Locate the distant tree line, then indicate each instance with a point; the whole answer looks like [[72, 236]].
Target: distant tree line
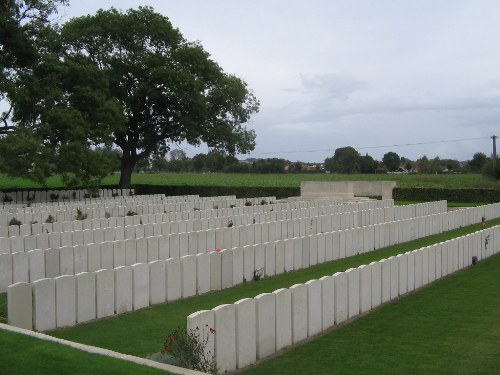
[[346, 160]]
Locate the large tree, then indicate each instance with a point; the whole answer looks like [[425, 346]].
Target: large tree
[[345, 160], [391, 161], [168, 88], [20, 24], [130, 80]]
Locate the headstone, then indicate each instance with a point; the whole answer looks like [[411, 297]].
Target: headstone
[[201, 324], [52, 263], [237, 265], [173, 277], [270, 259], [394, 276], [403, 273], [314, 316], [36, 265], [20, 305], [283, 318], [123, 289], [65, 301], [105, 293], [365, 288], [248, 263], [44, 305], [353, 296], [225, 337], [299, 312], [202, 273], [341, 297], [327, 302], [246, 341], [157, 282], [226, 268], [20, 267], [386, 279], [67, 260], [215, 270], [140, 285], [265, 307], [188, 275]]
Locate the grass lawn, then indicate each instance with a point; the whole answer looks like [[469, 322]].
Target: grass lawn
[[143, 332], [277, 180], [20, 354], [450, 327]]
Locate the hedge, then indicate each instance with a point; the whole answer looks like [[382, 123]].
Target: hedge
[[451, 195]]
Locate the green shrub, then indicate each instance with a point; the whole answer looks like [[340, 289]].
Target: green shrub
[[80, 215], [131, 213], [189, 348], [50, 219], [14, 221], [107, 215]]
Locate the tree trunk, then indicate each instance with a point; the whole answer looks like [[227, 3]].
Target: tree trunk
[[126, 167]]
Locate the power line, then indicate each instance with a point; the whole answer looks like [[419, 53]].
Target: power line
[[373, 147]]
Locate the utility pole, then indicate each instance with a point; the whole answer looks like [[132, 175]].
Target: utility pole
[[494, 158]]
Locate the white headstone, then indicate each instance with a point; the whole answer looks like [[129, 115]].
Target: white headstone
[[246, 341], [299, 312], [123, 289], [140, 285], [44, 305], [283, 318], [225, 337], [65, 301], [265, 307], [173, 277], [20, 305], [105, 293]]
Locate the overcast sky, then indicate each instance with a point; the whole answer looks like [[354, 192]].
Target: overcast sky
[[361, 73]]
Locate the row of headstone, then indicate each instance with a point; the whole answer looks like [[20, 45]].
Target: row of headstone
[[215, 270], [69, 213], [39, 196], [112, 202], [252, 329], [226, 236], [282, 210], [279, 255]]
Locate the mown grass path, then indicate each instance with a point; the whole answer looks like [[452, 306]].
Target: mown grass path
[[143, 332]]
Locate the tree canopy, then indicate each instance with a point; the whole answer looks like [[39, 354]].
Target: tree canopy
[[128, 80], [345, 160], [391, 161]]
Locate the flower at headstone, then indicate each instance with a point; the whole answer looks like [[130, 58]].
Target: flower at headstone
[[218, 249]]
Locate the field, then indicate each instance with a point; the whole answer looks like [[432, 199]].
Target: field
[[277, 180]]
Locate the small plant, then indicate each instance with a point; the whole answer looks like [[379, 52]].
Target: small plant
[[131, 213], [216, 206], [7, 199], [50, 219], [28, 204], [230, 224], [196, 209], [54, 196], [107, 215], [248, 203], [33, 222], [257, 274], [80, 215], [263, 202], [14, 221], [187, 348], [233, 206]]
